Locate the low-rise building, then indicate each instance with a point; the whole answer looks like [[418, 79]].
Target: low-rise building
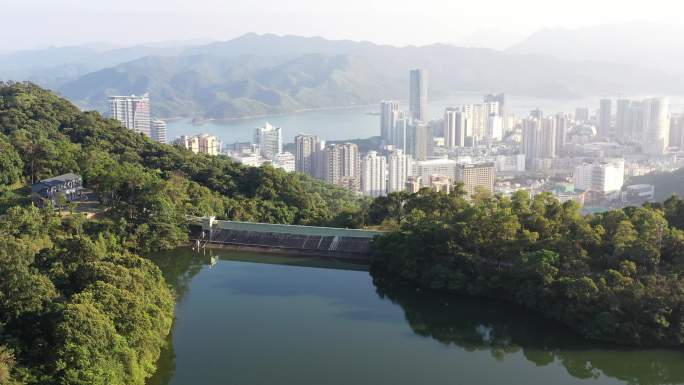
[[68, 187]]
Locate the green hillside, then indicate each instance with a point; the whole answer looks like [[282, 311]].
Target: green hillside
[[77, 304]]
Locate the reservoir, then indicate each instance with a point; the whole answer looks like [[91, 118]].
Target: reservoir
[[256, 319]]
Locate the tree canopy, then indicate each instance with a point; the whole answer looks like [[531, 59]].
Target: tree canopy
[[615, 276]]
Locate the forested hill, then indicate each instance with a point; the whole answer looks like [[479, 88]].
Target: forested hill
[[45, 136], [77, 305], [615, 276]]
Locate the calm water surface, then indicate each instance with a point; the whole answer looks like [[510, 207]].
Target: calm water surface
[[355, 123], [272, 320]]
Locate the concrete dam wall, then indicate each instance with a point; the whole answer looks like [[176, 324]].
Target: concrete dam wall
[[290, 239]]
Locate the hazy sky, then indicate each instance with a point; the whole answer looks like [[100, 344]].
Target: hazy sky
[[39, 23]]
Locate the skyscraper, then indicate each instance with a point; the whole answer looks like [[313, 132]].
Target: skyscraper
[[306, 147], [373, 174], [400, 131], [657, 126], [132, 111], [455, 127], [389, 111], [420, 138], [158, 128], [562, 129], [494, 129], [270, 140], [418, 94], [531, 138], [623, 119], [548, 138], [604, 118], [399, 167], [500, 99], [539, 139]]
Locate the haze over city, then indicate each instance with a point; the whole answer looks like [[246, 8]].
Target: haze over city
[[495, 24], [367, 192]]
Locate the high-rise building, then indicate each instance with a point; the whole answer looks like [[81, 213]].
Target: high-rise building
[[373, 174], [537, 114], [477, 118], [603, 176], [400, 168], [476, 177], [158, 130], [563, 126], [657, 126], [132, 111], [306, 147], [548, 138], [539, 139], [418, 95], [455, 127], [389, 111], [419, 135], [623, 119], [500, 99], [494, 129], [604, 118], [341, 165], [270, 140], [637, 123], [400, 131], [531, 139], [675, 132], [581, 114]]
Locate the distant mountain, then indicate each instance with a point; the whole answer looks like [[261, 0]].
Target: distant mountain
[[647, 45], [261, 74], [51, 67]]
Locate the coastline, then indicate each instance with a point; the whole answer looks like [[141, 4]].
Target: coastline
[[247, 117]]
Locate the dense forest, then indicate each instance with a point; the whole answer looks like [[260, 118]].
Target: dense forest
[[615, 276], [77, 303]]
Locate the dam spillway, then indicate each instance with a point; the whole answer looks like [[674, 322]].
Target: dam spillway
[[291, 239]]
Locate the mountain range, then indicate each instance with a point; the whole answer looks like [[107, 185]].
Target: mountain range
[[264, 74]]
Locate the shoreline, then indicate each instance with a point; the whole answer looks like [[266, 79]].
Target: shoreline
[[247, 117]]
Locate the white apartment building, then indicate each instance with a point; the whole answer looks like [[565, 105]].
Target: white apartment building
[[284, 161], [600, 176], [132, 111], [270, 140], [158, 130], [399, 169], [425, 169], [373, 174]]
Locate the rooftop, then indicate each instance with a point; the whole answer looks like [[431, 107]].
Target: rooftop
[[54, 181]]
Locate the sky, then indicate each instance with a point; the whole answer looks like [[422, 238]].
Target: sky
[[29, 24]]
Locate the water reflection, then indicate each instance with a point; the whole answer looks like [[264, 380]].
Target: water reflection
[[467, 324], [483, 325]]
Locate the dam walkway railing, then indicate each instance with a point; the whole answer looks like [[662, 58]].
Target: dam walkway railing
[[311, 240]]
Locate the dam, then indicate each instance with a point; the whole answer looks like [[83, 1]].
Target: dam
[[288, 239]]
